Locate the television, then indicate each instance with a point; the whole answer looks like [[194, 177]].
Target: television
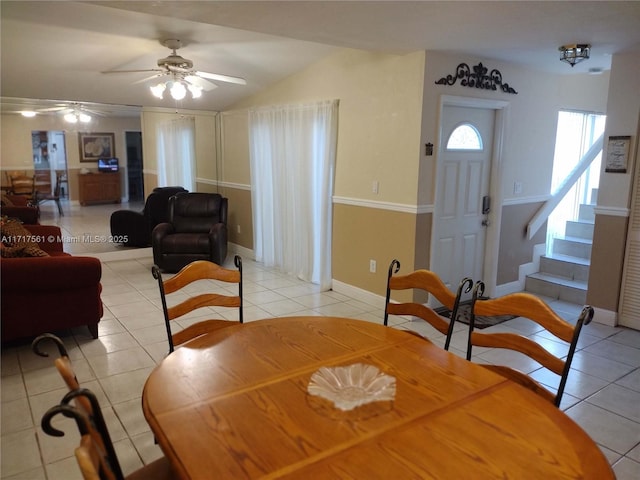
[[108, 165]]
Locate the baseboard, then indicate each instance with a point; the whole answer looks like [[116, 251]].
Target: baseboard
[[129, 254], [358, 293], [605, 317], [244, 252]]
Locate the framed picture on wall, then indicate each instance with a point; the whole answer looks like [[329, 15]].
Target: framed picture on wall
[[618, 154], [96, 145]]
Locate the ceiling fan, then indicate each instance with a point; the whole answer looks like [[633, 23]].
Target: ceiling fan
[[180, 71], [72, 112]]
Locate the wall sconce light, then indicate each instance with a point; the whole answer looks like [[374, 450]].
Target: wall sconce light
[[575, 53], [428, 149]]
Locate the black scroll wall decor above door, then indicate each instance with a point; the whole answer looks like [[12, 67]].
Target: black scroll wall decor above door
[[477, 77]]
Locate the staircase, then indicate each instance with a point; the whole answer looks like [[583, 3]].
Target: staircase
[[564, 274]]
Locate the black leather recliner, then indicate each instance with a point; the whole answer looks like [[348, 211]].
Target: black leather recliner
[[136, 227], [196, 230]]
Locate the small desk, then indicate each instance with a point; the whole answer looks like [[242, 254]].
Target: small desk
[[233, 404]]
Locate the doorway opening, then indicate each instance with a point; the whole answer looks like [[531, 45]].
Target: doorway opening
[[50, 161], [135, 178], [576, 133], [467, 225]]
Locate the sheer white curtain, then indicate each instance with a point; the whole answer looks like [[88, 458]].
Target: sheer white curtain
[[293, 150], [176, 153]]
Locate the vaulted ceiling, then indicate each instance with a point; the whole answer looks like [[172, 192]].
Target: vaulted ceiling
[[57, 50]]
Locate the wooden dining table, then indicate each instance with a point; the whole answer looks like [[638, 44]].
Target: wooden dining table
[[235, 404]]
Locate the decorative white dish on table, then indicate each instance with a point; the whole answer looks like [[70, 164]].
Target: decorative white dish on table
[[351, 386]]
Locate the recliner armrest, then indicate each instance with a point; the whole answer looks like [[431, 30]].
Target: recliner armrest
[[218, 242], [157, 234]]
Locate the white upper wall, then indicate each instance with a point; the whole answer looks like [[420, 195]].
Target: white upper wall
[[623, 112], [529, 141]]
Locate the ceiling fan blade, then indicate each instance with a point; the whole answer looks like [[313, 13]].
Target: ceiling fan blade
[[135, 71], [53, 109], [222, 78], [145, 79], [90, 111], [200, 82]]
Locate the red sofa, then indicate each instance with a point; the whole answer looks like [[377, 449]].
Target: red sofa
[[18, 206], [46, 294]]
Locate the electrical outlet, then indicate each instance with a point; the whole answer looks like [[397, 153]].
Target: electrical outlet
[[375, 186], [372, 266], [517, 187], [238, 228]]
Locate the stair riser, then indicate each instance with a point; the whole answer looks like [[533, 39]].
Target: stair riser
[[557, 291], [564, 269], [579, 229], [569, 247], [586, 213]]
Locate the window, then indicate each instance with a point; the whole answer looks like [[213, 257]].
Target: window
[[465, 137]]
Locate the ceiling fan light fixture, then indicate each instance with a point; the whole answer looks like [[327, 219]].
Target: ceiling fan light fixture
[[84, 118], [28, 113], [178, 91], [71, 118], [158, 90], [196, 92], [575, 53]]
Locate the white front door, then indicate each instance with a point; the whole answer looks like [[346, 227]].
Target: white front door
[[464, 169]]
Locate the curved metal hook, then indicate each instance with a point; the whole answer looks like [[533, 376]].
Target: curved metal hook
[[469, 285], [395, 262], [237, 260], [82, 392], [478, 290], [69, 412], [35, 345], [155, 271], [587, 314]]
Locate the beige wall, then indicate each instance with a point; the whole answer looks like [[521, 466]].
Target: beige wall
[[16, 152], [379, 119], [605, 271], [614, 194], [378, 140], [389, 108], [361, 234], [515, 248]]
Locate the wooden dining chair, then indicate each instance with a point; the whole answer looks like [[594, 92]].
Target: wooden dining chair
[[65, 369], [96, 455], [431, 283], [531, 307], [24, 185], [54, 196], [194, 271], [62, 363]]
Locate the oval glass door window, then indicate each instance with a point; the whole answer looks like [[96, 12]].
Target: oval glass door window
[[465, 137]]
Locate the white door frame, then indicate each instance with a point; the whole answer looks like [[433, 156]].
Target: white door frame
[[492, 243]]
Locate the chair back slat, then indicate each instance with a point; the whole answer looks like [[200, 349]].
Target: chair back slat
[[420, 311], [528, 306], [193, 272], [429, 282], [203, 300]]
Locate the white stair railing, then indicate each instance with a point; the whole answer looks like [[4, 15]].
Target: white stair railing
[[549, 206]]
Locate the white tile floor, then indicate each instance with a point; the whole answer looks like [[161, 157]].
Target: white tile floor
[[602, 395]]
